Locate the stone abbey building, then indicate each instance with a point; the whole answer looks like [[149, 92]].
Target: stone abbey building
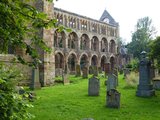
[[91, 43]]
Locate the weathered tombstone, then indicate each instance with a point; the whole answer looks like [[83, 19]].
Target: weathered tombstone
[[115, 72], [156, 83], [85, 72], [112, 95], [113, 99], [78, 70], [35, 83], [95, 71], [111, 82], [93, 86], [65, 76], [145, 89], [90, 69], [107, 68]]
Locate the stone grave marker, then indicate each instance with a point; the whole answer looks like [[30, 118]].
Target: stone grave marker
[[145, 88], [78, 70], [111, 82], [93, 86], [113, 99], [95, 71], [85, 72], [35, 82], [65, 76], [107, 68]]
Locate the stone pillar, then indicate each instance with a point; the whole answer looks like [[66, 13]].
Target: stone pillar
[[47, 68], [145, 89]]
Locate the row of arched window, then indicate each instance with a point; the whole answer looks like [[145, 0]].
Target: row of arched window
[[72, 41], [76, 22]]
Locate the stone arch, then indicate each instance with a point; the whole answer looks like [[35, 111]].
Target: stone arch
[[95, 43], [94, 60], [84, 43], [103, 61], [104, 45], [72, 59], [112, 62], [83, 60], [59, 39], [112, 46], [72, 40]]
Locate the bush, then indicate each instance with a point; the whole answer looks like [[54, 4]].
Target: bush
[[12, 105], [132, 80]]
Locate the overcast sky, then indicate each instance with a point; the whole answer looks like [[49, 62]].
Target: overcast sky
[[126, 12]]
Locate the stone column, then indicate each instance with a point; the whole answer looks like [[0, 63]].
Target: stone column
[[47, 68], [145, 89]]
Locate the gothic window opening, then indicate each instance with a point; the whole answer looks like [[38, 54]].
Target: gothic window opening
[[95, 44], [59, 39], [72, 40], [103, 61], [84, 45], [83, 61], [104, 45], [72, 62], [112, 46], [59, 60], [94, 61]]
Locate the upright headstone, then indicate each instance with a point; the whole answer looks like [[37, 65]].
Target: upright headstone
[[115, 72], [113, 99], [111, 82], [145, 88], [93, 86], [107, 68], [65, 76], [90, 69], [95, 71], [112, 95], [78, 70], [35, 82], [85, 72]]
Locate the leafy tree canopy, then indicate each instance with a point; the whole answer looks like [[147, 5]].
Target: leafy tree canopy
[[20, 23], [140, 38]]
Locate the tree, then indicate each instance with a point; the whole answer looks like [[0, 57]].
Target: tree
[[155, 51], [140, 38], [20, 25]]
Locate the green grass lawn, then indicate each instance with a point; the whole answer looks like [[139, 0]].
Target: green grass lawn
[[71, 102]]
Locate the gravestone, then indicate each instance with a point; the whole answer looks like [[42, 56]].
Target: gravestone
[[35, 82], [90, 69], [113, 99], [115, 72], [93, 86], [145, 88], [95, 71], [156, 83], [65, 76], [85, 72], [107, 68], [111, 82], [78, 70]]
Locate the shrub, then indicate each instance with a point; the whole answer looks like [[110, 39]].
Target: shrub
[[131, 80], [12, 105]]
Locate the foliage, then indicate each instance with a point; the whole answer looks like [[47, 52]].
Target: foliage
[[134, 64], [21, 26], [140, 38], [155, 51], [12, 105], [132, 80]]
